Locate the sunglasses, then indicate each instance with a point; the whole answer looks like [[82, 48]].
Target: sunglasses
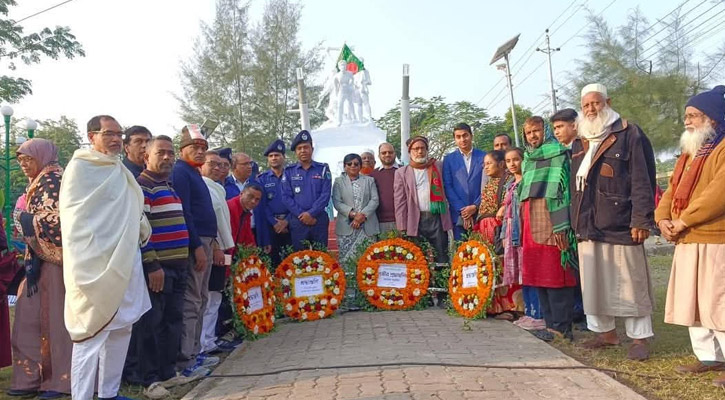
[[353, 164]]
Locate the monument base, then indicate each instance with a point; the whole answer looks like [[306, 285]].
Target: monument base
[[332, 143]]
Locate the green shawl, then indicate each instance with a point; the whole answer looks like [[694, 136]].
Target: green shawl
[[546, 174]]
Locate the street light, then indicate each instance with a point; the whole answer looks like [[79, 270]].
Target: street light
[[31, 125], [7, 112]]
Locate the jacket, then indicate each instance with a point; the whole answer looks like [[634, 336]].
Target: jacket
[[342, 199], [407, 210], [463, 188], [620, 186]]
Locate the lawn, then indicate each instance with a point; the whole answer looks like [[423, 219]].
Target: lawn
[[670, 348]]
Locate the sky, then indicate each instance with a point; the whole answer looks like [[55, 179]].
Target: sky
[[134, 49]]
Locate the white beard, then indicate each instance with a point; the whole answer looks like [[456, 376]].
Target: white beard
[[591, 128], [690, 142], [421, 160]]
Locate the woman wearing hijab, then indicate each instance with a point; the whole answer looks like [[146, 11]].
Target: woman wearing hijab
[[41, 345]]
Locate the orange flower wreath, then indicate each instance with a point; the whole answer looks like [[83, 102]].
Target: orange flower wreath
[[311, 285], [471, 282], [382, 262], [253, 295]]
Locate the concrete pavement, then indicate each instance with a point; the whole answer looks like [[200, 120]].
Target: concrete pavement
[[404, 336]]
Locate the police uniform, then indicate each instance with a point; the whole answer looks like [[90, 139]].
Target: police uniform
[[307, 191], [272, 208]]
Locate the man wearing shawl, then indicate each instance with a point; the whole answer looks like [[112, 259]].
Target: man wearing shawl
[[692, 214], [41, 345], [548, 243], [421, 208], [613, 184], [101, 211]]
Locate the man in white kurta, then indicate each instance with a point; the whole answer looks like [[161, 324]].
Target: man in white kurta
[[211, 173], [101, 212]]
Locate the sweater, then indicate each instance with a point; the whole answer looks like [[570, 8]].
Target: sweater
[[241, 221], [705, 213], [196, 201], [169, 243], [384, 179]]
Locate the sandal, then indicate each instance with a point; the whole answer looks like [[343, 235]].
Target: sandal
[[156, 391]]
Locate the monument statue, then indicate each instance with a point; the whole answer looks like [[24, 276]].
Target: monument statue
[[362, 98]]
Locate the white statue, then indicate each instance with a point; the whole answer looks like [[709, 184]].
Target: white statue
[[329, 90], [345, 89], [362, 98]]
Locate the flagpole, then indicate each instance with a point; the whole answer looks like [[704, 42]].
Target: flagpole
[[304, 109], [405, 116]]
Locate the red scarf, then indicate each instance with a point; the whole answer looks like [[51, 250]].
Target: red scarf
[[437, 201]]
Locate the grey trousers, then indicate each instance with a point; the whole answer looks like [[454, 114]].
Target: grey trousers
[[195, 299], [431, 229], [386, 227]]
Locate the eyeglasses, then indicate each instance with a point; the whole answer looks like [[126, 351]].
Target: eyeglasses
[[109, 134], [213, 164], [25, 159], [693, 116], [353, 164]]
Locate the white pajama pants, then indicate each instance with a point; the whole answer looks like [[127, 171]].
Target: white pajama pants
[[105, 353], [636, 327], [707, 344], [208, 327]]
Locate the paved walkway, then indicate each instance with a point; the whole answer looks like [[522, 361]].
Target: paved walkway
[[413, 336]]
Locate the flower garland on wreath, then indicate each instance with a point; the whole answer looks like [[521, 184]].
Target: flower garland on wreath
[[472, 276], [253, 295], [311, 285], [393, 274]]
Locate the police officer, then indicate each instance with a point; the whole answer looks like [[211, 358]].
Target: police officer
[[306, 190], [273, 210]]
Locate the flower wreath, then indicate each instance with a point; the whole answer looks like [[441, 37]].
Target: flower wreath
[[311, 285], [397, 262], [253, 295], [472, 276]]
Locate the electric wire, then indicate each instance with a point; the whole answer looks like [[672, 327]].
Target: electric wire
[[42, 11]]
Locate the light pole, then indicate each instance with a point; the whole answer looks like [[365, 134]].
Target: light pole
[[7, 112], [31, 125]]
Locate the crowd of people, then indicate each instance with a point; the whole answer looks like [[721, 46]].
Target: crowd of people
[[133, 288]]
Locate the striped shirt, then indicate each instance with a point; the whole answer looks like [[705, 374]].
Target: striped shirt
[[169, 243]]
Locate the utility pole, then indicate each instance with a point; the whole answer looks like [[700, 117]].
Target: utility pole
[[548, 50], [507, 71], [405, 116], [303, 109]]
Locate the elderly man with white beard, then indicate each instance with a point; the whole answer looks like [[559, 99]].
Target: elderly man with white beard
[[692, 214], [613, 170]]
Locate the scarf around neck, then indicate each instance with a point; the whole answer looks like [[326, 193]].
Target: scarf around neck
[[684, 179], [594, 140], [546, 175], [437, 201]]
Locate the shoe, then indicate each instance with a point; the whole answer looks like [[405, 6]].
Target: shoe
[[22, 393], [699, 367], [156, 391], [195, 371], [533, 324], [598, 343], [51, 394], [226, 347], [214, 350], [638, 352], [581, 326], [543, 334], [522, 320], [206, 360]]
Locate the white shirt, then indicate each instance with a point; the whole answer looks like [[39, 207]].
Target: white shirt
[[422, 187], [467, 159], [221, 210]]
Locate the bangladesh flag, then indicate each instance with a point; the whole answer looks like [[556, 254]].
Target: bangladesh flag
[[353, 63]]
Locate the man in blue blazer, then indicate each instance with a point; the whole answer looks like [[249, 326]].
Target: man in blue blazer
[[462, 170]]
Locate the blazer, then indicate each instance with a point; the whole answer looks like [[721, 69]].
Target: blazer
[[342, 199], [462, 188], [407, 210]]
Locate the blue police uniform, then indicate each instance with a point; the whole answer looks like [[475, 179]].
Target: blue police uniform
[[272, 208], [307, 190]]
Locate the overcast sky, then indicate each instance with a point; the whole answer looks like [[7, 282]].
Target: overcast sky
[[134, 49]]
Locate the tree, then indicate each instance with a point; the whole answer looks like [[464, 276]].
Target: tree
[[434, 118], [245, 78], [64, 133], [648, 76], [30, 49]]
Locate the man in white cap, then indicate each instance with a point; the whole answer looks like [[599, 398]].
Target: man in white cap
[[613, 171], [368, 162]]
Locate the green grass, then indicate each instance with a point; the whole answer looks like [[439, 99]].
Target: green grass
[[670, 348]]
